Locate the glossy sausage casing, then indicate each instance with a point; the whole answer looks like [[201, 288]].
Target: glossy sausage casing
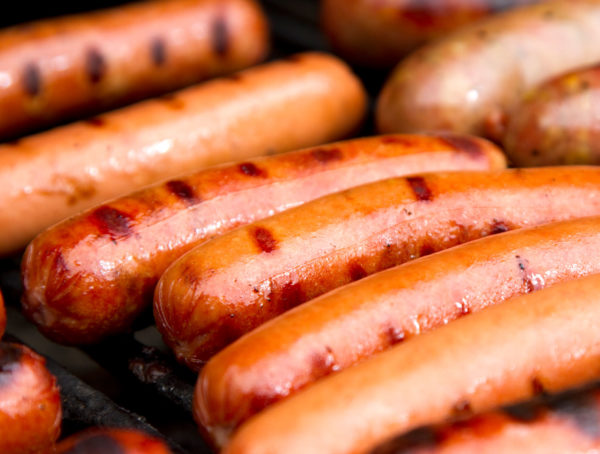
[[109, 441], [311, 341], [30, 411], [543, 342], [90, 275], [468, 81], [313, 98], [230, 285], [61, 68], [379, 33]]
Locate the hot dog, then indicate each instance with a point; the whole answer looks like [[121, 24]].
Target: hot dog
[[379, 33], [305, 344], [108, 441], [30, 410], [166, 220], [223, 120], [232, 284], [545, 341], [61, 68], [2, 316], [468, 81], [559, 424], [557, 122]]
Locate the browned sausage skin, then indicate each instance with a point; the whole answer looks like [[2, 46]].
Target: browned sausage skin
[[311, 341], [380, 32], [112, 441], [314, 98], [468, 81], [231, 284], [542, 342], [30, 411], [557, 122], [567, 423], [89, 276], [65, 67]]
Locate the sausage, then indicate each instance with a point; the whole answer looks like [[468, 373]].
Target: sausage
[[223, 120], [63, 68], [567, 423], [541, 342], [468, 81], [557, 122], [310, 342], [379, 33], [30, 410], [2, 316], [112, 441], [162, 222], [230, 285]]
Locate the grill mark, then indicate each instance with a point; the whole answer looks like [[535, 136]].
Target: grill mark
[[529, 285], [158, 50], [420, 188], [264, 239], [95, 65], [292, 295], [96, 444], [32, 79], [112, 222], [462, 143], [325, 155], [250, 169], [220, 36], [10, 359], [498, 226], [97, 122], [182, 190], [356, 271]]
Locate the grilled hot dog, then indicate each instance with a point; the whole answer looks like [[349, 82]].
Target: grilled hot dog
[[108, 441], [160, 223]]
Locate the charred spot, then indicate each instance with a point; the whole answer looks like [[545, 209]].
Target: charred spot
[[463, 308], [323, 363], [583, 410], [356, 271], [182, 190], [32, 79], [420, 188], [415, 440], [111, 222], [10, 358], [250, 169], [426, 249], [172, 101], [292, 295], [527, 282], [96, 444], [465, 144], [462, 409], [158, 50], [394, 335], [498, 227], [96, 122], [264, 239], [220, 36], [95, 65], [326, 154], [538, 387]]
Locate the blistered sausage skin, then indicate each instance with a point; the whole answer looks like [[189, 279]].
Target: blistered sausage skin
[[379, 33], [30, 410], [312, 97], [311, 341], [61, 68], [567, 423], [542, 342], [557, 122], [112, 441], [468, 81], [229, 285], [2, 316], [90, 275]]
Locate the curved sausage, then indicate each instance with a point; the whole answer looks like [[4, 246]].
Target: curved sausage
[[30, 411], [112, 441], [379, 33], [557, 122], [305, 344], [230, 285], [2, 316], [314, 98], [467, 82], [121, 248], [545, 341], [567, 423], [62, 68]]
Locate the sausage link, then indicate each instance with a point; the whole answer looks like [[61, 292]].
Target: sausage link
[[228, 286], [62, 68], [467, 82], [2, 316], [542, 342], [567, 423], [138, 236], [30, 411], [557, 122], [314, 98], [112, 441], [379, 33], [305, 344]]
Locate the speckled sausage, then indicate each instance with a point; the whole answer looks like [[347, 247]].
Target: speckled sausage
[[61, 68], [2, 316], [567, 423], [138, 236], [230, 285], [305, 344], [30, 411], [468, 81], [112, 441], [380, 32], [545, 341], [305, 100], [557, 122]]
